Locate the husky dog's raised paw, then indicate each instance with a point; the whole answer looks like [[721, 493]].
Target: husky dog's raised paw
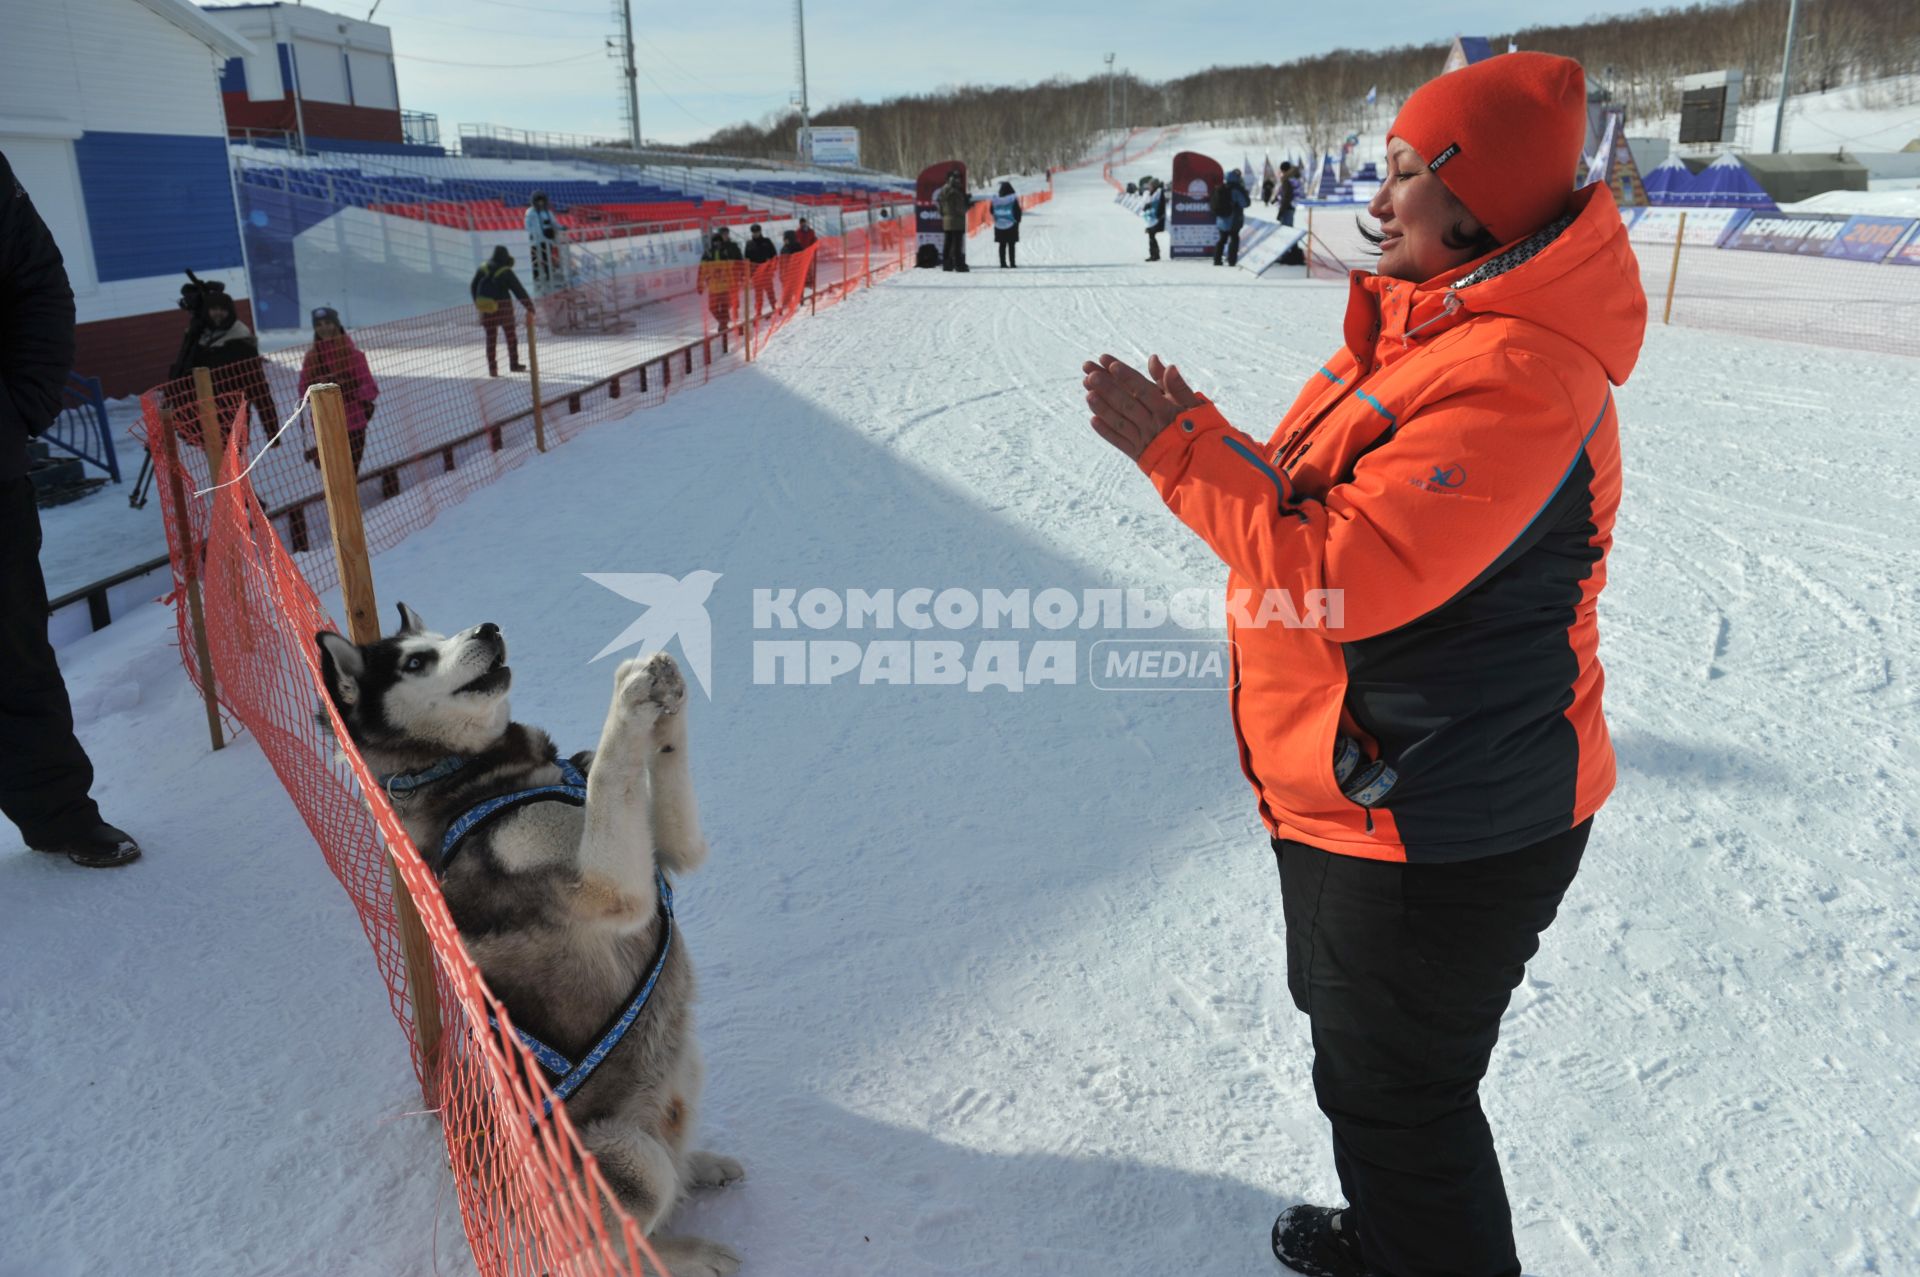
[[650, 685]]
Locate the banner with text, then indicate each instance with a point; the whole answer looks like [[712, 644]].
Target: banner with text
[[1190, 229]]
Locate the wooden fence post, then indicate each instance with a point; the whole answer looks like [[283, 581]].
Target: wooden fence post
[[213, 440], [190, 568], [533, 368], [1673, 273], [363, 626]]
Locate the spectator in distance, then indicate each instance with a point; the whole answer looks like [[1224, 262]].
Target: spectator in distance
[[493, 290], [334, 358], [1006, 224], [953, 203], [543, 240], [1154, 211], [1229, 215]]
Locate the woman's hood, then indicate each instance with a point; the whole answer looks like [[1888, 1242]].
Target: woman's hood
[[1577, 277], [1583, 283]]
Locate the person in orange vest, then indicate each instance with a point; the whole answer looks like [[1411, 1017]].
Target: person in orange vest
[[1417, 552]]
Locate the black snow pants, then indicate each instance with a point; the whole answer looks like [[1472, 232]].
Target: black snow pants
[[1229, 243], [1404, 971], [44, 773]]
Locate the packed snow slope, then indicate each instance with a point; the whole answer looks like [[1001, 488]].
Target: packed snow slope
[[994, 983]]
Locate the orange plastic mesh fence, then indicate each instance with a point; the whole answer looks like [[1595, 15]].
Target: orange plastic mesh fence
[[1825, 301], [980, 212], [258, 549], [1130, 148]]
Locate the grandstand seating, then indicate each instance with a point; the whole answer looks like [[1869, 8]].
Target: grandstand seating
[[499, 204]]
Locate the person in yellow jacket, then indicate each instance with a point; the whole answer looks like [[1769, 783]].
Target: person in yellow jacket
[[721, 276], [1428, 749], [494, 289]]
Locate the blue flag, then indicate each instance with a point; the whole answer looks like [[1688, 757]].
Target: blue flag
[[1372, 93]]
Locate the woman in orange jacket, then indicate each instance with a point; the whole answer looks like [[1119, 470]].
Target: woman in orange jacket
[[1428, 749]]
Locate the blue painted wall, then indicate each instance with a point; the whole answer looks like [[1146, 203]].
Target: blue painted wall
[[233, 76], [157, 204]]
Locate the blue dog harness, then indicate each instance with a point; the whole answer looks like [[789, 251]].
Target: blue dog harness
[[567, 1076]]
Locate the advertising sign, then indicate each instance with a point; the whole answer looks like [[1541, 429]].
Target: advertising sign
[[1803, 234], [1190, 229], [925, 212], [1869, 239], [1908, 254], [1706, 227], [1262, 243], [830, 146]]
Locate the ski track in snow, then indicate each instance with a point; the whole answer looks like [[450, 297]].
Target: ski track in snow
[[996, 984]]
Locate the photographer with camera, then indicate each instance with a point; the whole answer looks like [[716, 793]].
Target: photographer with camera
[[219, 341], [45, 775]]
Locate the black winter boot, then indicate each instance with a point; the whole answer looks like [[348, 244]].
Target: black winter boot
[[1319, 1241], [99, 847]]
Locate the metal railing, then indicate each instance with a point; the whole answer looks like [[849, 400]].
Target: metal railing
[[82, 428]]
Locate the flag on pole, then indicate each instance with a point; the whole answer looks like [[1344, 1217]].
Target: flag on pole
[[1372, 94], [1266, 170]]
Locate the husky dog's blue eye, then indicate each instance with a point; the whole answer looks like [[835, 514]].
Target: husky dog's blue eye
[[415, 663]]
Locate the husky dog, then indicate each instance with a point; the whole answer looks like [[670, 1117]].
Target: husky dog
[[559, 903]]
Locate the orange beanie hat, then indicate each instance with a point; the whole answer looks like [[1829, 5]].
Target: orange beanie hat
[[1505, 135]]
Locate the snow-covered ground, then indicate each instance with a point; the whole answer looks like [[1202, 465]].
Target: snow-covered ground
[[994, 983]]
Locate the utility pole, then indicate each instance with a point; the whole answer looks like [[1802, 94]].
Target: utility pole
[[1786, 76], [800, 54], [632, 73], [1109, 103]]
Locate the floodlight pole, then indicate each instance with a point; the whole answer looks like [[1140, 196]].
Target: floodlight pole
[[1786, 76], [632, 73], [1109, 104], [800, 41]]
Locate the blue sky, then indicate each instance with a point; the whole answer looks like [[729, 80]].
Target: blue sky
[[541, 66]]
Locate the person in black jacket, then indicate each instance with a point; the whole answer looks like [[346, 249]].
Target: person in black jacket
[[759, 251], [1285, 193], [1229, 215], [226, 348], [493, 284], [45, 775]]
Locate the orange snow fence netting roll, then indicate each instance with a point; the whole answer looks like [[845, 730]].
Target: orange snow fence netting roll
[[258, 550]]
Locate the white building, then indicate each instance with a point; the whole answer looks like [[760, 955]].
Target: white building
[[110, 115], [322, 77]]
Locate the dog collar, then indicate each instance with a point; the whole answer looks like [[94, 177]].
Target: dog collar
[[403, 784]]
